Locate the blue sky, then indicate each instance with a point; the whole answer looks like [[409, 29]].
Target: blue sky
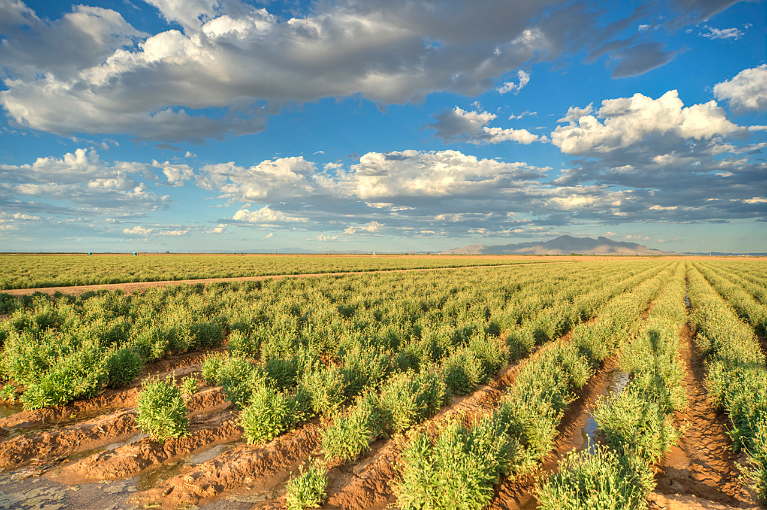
[[398, 125]]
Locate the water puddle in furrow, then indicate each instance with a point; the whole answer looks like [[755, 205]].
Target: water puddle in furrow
[[616, 381], [151, 479], [686, 299], [108, 448], [7, 409]]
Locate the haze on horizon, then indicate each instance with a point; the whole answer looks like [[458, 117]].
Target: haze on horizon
[[404, 125]]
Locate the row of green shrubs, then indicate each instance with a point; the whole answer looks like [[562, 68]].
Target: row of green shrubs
[[740, 299], [637, 423], [455, 364], [736, 377], [457, 467], [23, 271], [65, 348], [351, 433]]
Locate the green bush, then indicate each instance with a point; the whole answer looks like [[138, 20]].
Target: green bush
[[161, 410], [189, 386], [458, 470], [123, 366], [308, 489], [597, 480], [266, 416]]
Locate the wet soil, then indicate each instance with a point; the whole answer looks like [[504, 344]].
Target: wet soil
[[576, 432], [703, 464]]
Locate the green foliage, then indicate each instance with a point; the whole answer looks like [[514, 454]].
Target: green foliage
[[308, 489], [211, 367], [597, 480], [266, 416], [326, 388], [457, 470], [161, 410], [189, 386], [123, 366], [634, 425]]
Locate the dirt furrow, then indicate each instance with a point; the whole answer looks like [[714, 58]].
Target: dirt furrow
[[245, 466], [57, 443], [136, 457], [703, 464], [87, 435]]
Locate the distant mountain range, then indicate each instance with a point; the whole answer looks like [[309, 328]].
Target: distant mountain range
[[563, 245]]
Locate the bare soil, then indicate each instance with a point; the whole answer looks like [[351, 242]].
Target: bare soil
[[703, 464]]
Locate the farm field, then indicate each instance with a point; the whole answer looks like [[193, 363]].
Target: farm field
[[24, 270], [593, 383]]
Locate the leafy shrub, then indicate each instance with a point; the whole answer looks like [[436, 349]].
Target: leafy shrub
[[458, 470], [123, 366], [462, 372], [308, 489], [350, 434], [211, 366], [326, 387], [189, 386], [161, 410], [266, 416], [598, 480], [635, 426], [243, 344], [410, 398]]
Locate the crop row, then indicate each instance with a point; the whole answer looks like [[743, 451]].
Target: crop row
[[738, 295], [25, 271], [69, 348], [736, 376], [458, 466], [637, 423], [415, 377]]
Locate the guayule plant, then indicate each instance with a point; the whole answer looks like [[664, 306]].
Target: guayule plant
[[161, 409], [123, 366], [308, 489], [599, 480]]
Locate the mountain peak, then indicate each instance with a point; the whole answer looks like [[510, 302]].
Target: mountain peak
[[562, 245]]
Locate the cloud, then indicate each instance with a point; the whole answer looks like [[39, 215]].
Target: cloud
[[79, 182], [176, 174], [522, 115], [574, 113], [630, 120], [524, 79], [265, 216], [458, 125], [746, 92], [672, 163], [642, 58], [728, 34], [274, 180], [167, 147], [190, 155], [223, 66], [138, 231], [695, 11]]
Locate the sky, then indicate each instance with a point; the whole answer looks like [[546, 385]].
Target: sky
[[381, 125]]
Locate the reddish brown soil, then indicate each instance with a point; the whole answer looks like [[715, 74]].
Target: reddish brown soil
[[255, 467], [59, 442], [703, 464], [129, 460]]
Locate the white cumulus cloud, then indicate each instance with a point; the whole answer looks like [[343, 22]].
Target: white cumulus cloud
[[746, 92]]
